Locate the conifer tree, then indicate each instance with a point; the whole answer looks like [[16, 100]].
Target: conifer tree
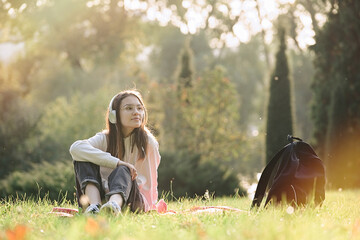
[[279, 112], [184, 81], [336, 107], [185, 75]]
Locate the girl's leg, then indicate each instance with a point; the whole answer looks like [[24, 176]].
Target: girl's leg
[[123, 190], [117, 198], [93, 193], [89, 179]]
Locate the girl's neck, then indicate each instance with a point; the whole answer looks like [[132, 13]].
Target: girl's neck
[[127, 133]]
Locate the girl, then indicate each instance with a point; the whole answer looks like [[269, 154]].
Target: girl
[[119, 163]]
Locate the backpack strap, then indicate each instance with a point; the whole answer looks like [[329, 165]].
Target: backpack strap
[[264, 180], [291, 138]]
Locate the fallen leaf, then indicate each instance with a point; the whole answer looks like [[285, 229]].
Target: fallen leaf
[[92, 227], [18, 233]]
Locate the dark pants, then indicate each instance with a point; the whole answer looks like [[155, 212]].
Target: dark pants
[[119, 183]]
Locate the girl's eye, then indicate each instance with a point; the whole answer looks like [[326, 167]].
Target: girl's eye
[[129, 108]]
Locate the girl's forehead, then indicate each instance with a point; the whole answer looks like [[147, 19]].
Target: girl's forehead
[[130, 100]]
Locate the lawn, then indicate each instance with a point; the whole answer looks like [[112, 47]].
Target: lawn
[[337, 218]]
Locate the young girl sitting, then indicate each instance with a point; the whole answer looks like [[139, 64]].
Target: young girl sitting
[[120, 163]]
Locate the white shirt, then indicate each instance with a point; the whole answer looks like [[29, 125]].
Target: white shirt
[[94, 150]]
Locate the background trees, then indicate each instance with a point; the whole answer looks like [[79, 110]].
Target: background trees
[[336, 93], [280, 114], [75, 54]]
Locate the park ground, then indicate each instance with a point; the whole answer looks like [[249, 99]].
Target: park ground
[[337, 218]]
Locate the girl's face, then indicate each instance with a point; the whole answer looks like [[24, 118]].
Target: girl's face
[[131, 114]]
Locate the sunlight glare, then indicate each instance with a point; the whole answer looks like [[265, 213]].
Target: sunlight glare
[[22, 7], [195, 20], [235, 8], [164, 16], [191, 27], [213, 22], [186, 4], [286, 1], [135, 4], [306, 37], [12, 13], [266, 24], [215, 43], [321, 19], [89, 4], [40, 2], [173, 7], [306, 34], [248, 24], [222, 8], [255, 132], [7, 6], [241, 32], [184, 28], [306, 20], [232, 41], [151, 13], [248, 5], [269, 6], [252, 20]]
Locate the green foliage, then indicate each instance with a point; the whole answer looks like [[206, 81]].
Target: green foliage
[[65, 121], [279, 115], [303, 72], [183, 174], [185, 73], [55, 181], [213, 114], [17, 123], [168, 42], [184, 85], [336, 89], [247, 71]]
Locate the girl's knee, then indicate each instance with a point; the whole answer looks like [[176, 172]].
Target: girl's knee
[[123, 168]]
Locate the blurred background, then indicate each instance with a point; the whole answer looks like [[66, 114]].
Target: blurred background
[[224, 81]]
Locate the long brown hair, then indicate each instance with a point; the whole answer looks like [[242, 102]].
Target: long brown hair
[[115, 136]]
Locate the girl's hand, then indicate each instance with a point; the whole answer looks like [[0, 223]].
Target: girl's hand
[[133, 171]]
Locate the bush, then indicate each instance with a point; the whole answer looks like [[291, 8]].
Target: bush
[[184, 174], [56, 181]]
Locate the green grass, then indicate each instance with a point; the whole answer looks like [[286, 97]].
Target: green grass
[[338, 218]]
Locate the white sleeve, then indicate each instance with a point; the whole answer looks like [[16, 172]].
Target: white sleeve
[[93, 150]]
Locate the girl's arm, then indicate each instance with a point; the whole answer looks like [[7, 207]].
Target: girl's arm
[[93, 150]]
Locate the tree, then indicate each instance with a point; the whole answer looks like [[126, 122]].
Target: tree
[[303, 72], [184, 85], [279, 112], [69, 47], [336, 110], [213, 115]]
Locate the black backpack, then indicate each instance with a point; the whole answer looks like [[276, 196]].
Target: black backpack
[[295, 174]]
